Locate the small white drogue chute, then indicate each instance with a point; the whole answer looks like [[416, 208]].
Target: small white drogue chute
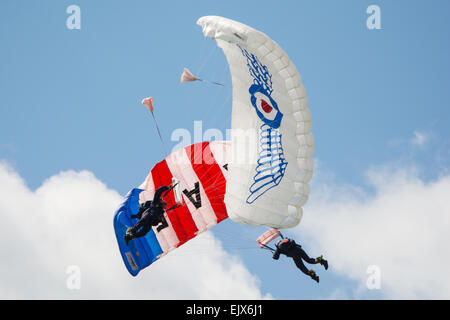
[[187, 76]]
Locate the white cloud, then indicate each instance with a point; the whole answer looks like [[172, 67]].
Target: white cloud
[[68, 221], [403, 227], [420, 138], [338, 294]]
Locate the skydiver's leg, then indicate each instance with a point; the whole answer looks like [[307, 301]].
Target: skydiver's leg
[[143, 221], [135, 216], [163, 224], [305, 257], [136, 227], [140, 229], [143, 231], [320, 259], [299, 263]]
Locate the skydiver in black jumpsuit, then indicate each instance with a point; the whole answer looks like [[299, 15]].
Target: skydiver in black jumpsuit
[[289, 248], [151, 213]]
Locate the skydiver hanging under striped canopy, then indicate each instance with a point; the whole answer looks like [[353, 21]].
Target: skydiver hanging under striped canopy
[[289, 248], [151, 213]]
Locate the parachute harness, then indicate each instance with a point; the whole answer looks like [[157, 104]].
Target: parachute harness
[[271, 164], [177, 205]]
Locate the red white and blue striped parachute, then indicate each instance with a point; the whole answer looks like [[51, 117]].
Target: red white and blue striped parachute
[[201, 172], [271, 184]]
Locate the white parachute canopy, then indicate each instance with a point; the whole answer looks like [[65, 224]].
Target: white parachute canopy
[[272, 144]]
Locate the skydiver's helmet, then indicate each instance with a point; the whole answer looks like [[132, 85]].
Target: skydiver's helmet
[[281, 241], [145, 204]]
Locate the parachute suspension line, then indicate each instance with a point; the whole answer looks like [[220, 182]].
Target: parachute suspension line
[[236, 235], [187, 76], [240, 240], [216, 74], [195, 252], [212, 82], [205, 60], [213, 183], [217, 112], [216, 117], [220, 73], [212, 179], [216, 97], [159, 134], [203, 53], [148, 102], [268, 248]]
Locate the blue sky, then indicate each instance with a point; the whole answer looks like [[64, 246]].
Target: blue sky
[[70, 100]]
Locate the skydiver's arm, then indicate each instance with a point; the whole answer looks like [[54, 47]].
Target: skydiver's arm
[[137, 215], [159, 192], [276, 254], [141, 210]]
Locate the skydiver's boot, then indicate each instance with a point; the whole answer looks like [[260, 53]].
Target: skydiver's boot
[[323, 262], [163, 224], [313, 275], [128, 236]]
